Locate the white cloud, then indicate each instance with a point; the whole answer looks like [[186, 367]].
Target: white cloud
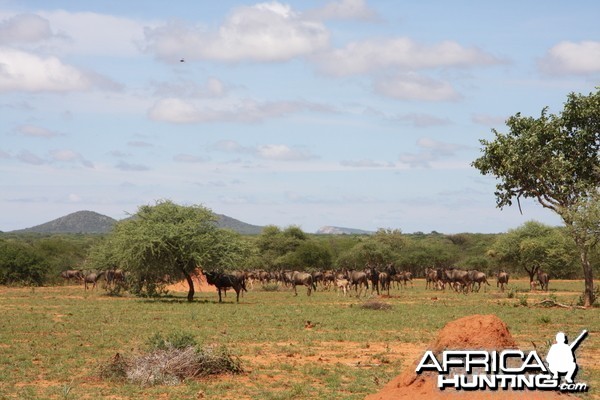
[[404, 53], [344, 10], [70, 156], [212, 88], [36, 131], [430, 151], [567, 58], [422, 120], [366, 163], [24, 28], [275, 152], [488, 120], [181, 111], [281, 152], [28, 157], [264, 32], [415, 87], [91, 33], [24, 71]]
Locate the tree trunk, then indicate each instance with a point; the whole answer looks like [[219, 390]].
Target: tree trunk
[[190, 281], [588, 276]]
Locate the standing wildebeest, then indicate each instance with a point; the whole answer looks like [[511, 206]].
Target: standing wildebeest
[[358, 278], [543, 279], [502, 280], [458, 278], [72, 274], [223, 281], [92, 278], [373, 276], [477, 277], [303, 278]]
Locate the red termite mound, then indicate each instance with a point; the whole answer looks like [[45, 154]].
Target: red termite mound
[[475, 332]]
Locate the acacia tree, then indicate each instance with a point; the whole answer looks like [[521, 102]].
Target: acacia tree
[[170, 240], [555, 160]]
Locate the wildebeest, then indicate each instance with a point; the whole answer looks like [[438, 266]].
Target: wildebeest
[[373, 276], [115, 275], [358, 278], [92, 278], [72, 274], [223, 281], [458, 278], [502, 279], [477, 277], [343, 285], [305, 279], [543, 279]]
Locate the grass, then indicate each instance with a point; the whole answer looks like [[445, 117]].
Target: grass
[[54, 340]]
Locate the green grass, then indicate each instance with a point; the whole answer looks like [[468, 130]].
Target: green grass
[[53, 340]]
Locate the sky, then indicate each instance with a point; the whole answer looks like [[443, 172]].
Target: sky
[[351, 113]]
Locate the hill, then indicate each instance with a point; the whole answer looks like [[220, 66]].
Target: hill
[[93, 222], [77, 222], [336, 230]]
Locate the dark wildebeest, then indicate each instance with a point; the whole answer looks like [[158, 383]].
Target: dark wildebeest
[[115, 275], [305, 279], [458, 278], [72, 274], [223, 281], [358, 278], [385, 281], [502, 279], [92, 278], [477, 277], [543, 279], [373, 276]]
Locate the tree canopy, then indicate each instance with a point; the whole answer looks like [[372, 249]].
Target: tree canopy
[[168, 240], [553, 159]]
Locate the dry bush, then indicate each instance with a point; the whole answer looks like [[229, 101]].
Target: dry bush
[[376, 305], [171, 366]]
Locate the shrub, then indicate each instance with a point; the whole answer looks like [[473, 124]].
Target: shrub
[[171, 360], [376, 305]]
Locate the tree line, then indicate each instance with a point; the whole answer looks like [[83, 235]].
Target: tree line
[[170, 241]]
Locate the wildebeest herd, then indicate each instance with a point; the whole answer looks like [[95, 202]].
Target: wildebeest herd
[[377, 278]]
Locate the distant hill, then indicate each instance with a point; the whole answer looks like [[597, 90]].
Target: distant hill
[[225, 222], [92, 222], [336, 230], [77, 222]]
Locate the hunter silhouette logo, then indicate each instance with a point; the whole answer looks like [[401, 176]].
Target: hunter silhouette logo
[[507, 369], [561, 356]]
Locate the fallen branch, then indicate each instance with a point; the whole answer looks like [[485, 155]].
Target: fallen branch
[[553, 303]]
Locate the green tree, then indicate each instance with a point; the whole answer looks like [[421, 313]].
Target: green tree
[[534, 246], [20, 263], [555, 160], [167, 240]]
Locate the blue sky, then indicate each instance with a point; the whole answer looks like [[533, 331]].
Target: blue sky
[[355, 113]]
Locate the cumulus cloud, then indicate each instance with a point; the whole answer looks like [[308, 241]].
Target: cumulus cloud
[[376, 54], [344, 10], [415, 87], [487, 120], [23, 71], [264, 32], [569, 58], [177, 110], [24, 28]]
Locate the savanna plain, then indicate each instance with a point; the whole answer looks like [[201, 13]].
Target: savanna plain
[[54, 340]]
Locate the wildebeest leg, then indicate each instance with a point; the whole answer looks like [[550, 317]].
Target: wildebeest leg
[[219, 289], [237, 293], [295, 291]]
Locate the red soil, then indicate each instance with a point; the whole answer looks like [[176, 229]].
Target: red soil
[[486, 332]]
